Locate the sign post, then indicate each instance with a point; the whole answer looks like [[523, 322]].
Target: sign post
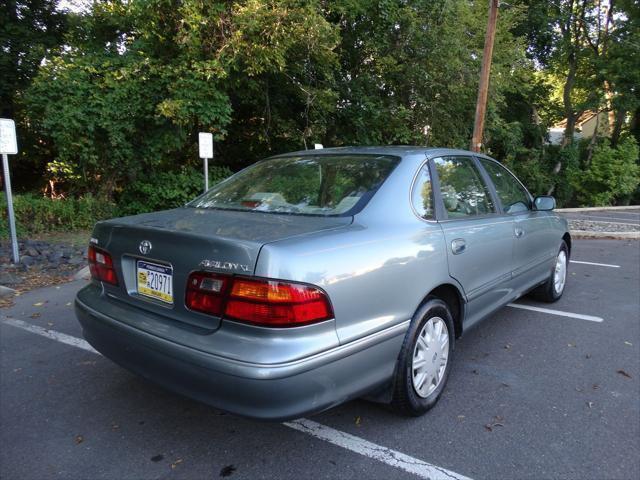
[[205, 143], [9, 146]]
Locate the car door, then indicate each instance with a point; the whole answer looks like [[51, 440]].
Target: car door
[[479, 242], [533, 232]]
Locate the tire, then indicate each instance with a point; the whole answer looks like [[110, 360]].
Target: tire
[[407, 398], [549, 291]]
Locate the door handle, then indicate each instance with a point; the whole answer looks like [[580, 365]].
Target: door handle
[[458, 246], [518, 232]]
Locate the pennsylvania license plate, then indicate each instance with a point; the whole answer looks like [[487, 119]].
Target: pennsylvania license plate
[[155, 281]]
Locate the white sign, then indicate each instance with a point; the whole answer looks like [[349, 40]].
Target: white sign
[[205, 141], [8, 143]]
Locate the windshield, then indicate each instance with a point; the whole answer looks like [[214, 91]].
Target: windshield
[[306, 185]]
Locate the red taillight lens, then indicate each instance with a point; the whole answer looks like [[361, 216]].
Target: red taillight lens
[[269, 303], [205, 292], [277, 304], [101, 265]]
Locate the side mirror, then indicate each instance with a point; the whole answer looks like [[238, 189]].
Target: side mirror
[[544, 203]]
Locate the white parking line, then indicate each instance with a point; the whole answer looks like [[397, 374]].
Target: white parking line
[[52, 334], [372, 450], [579, 316], [336, 437], [596, 264]]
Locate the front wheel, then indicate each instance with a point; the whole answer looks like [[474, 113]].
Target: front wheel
[[425, 359], [553, 288]]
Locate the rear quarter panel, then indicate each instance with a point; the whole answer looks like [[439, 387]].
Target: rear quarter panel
[[376, 271]]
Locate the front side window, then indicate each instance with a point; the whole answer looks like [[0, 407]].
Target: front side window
[[512, 194], [463, 191], [422, 195], [305, 185]]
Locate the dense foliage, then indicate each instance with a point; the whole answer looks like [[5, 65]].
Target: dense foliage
[[37, 214], [109, 101]]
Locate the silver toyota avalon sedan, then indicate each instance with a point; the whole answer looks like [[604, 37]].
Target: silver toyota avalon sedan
[[315, 277]]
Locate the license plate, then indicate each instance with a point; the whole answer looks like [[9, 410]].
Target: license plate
[[155, 281]]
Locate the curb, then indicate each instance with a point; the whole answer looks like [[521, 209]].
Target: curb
[[593, 209], [586, 234], [82, 274], [6, 291]]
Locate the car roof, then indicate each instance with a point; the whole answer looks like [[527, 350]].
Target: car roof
[[397, 150]]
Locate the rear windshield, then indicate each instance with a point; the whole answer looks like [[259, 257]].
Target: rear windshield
[[305, 185]]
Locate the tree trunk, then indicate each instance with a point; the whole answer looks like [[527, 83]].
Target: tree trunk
[[618, 123]]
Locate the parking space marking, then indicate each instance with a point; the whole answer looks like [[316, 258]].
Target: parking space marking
[[596, 264], [372, 450], [52, 334], [579, 316], [336, 437]]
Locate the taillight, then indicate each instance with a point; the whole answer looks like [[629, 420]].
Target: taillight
[[205, 292], [101, 265], [271, 303]]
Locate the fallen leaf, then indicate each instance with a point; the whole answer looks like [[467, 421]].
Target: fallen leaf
[[115, 426], [496, 423], [358, 421], [596, 386], [507, 346], [590, 404], [38, 304], [227, 471], [460, 417], [68, 304], [623, 373], [157, 458], [475, 371], [176, 463], [628, 343], [588, 355], [79, 439], [16, 370], [578, 389], [35, 315], [571, 345]]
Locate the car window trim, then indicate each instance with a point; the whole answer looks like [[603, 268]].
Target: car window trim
[[444, 217], [424, 163], [530, 197]]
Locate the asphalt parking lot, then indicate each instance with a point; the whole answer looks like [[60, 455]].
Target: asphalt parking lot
[[533, 394]]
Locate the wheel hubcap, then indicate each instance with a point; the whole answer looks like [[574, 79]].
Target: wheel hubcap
[[430, 356], [560, 272]]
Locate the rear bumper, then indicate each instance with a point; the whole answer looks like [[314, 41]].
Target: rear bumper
[[262, 391]]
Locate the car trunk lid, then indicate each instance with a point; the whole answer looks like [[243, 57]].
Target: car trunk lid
[[180, 241]]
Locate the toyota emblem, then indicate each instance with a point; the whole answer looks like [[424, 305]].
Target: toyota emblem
[[145, 247]]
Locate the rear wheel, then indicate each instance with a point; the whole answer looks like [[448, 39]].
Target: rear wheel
[[425, 359], [553, 288]]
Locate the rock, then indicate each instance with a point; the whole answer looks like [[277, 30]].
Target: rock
[[8, 278], [32, 252], [76, 260], [55, 257], [27, 260]]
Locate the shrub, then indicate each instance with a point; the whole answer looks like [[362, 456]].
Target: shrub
[[612, 174], [163, 190], [37, 214]]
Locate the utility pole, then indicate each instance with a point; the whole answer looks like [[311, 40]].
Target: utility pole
[[483, 88]]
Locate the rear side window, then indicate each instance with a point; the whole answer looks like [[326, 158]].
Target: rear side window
[[304, 185], [464, 193], [422, 194], [512, 194]]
